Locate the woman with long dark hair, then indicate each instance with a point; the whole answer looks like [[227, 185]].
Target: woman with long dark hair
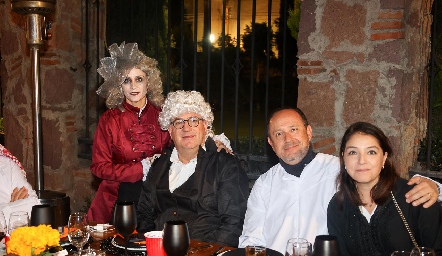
[[369, 212]]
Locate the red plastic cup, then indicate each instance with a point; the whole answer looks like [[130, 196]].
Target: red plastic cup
[[154, 243]]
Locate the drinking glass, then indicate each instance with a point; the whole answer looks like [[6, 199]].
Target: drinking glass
[[422, 251], [400, 253], [17, 219], [78, 230], [176, 239], [125, 220], [298, 247]]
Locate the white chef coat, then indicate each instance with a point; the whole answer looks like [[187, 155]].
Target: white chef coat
[[282, 206]]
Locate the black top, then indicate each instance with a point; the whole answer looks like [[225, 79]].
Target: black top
[[297, 169], [212, 201], [386, 232], [129, 191]]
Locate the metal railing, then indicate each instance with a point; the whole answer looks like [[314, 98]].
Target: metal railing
[[242, 85], [170, 32], [431, 154]]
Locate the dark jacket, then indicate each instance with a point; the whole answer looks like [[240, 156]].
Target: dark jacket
[[212, 201], [122, 139], [386, 232]]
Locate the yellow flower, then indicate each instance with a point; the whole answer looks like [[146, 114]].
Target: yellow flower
[[24, 239]]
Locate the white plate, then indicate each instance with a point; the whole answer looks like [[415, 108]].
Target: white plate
[[101, 227], [129, 248]]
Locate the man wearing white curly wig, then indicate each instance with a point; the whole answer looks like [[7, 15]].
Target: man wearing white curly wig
[[191, 181]]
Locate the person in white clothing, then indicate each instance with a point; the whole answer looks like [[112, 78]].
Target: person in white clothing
[[290, 200], [16, 194]]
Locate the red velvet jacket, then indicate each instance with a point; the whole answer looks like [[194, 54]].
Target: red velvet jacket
[[121, 141]]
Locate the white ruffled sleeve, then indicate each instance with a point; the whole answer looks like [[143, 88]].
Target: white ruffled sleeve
[[223, 139]]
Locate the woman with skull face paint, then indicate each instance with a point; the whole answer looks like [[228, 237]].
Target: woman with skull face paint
[[128, 134]]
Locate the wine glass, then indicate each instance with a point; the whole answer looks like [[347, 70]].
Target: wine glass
[[17, 219], [125, 220], [78, 230], [298, 247], [176, 239], [422, 251]]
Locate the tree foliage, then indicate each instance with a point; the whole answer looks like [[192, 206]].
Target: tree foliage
[[436, 106], [294, 18]]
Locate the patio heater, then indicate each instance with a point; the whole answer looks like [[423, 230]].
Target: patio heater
[[36, 32]]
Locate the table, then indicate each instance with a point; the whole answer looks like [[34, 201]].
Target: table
[[197, 248], [242, 252]]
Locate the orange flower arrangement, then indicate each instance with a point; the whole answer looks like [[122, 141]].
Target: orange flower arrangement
[[25, 241]]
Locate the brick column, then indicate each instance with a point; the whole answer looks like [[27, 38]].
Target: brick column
[[364, 61]]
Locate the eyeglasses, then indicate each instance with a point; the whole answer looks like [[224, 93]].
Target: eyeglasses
[[191, 121]]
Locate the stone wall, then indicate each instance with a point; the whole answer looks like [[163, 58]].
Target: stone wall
[[62, 100], [365, 61]]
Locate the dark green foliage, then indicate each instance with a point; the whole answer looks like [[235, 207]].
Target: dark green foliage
[[257, 145], [436, 154], [294, 16], [436, 106]]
